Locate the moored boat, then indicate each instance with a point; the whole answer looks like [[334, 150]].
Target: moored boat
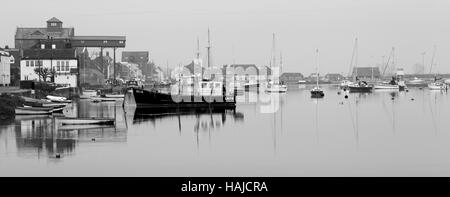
[[114, 95], [276, 88], [58, 99], [154, 99], [88, 94], [360, 86], [437, 86], [33, 110]]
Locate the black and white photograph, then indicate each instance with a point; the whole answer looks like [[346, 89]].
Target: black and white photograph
[[242, 90]]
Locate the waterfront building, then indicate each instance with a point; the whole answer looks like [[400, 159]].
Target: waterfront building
[[15, 65], [28, 37], [61, 62], [334, 77], [289, 78], [5, 67], [366, 73]]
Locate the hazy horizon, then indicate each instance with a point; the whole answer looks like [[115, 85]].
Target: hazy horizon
[[241, 31]]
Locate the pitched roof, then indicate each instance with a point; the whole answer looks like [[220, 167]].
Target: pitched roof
[[367, 71], [54, 20], [43, 33], [49, 54], [291, 75]]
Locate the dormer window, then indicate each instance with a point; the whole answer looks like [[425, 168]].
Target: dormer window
[[53, 24], [105, 41]]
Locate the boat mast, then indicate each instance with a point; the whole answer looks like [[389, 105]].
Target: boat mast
[[208, 48], [432, 58], [354, 57], [281, 63], [317, 67]]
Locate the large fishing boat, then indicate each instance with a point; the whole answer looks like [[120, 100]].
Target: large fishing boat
[[210, 94]]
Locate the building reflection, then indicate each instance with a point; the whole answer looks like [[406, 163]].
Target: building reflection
[[41, 135]]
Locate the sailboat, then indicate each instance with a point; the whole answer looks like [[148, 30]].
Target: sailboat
[[346, 82], [358, 85], [317, 92], [438, 83], [275, 86], [396, 83]]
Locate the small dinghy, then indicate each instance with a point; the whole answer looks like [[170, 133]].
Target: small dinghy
[[33, 110], [114, 95], [58, 99], [86, 121]]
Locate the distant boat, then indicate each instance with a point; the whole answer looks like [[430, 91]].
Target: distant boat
[[33, 110], [345, 83], [317, 92], [437, 86], [276, 88], [86, 121], [302, 82], [272, 86], [87, 94]]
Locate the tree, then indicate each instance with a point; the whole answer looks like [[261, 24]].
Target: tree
[[43, 73]]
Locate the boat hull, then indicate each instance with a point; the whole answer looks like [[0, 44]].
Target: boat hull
[[150, 99], [317, 94], [32, 111], [360, 89]]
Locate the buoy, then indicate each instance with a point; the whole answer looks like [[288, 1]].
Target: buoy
[[93, 139], [58, 156], [412, 99], [339, 93], [407, 90], [346, 96], [392, 98]]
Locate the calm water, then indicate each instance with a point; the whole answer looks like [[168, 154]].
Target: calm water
[[364, 135]]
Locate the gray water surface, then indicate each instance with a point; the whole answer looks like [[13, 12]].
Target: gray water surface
[[364, 135]]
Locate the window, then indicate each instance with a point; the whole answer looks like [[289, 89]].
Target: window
[[67, 63], [67, 66], [58, 68], [37, 63], [27, 63], [42, 46], [120, 42], [32, 63], [105, 41], [53, 46], [53, 24]]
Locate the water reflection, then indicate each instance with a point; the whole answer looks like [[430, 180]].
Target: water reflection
[[41, 136]]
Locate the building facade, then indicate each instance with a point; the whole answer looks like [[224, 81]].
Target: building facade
[[5, 67], [61, 64], [28, 37], [291, 78]]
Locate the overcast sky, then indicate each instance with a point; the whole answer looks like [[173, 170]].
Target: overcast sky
[[242, 30]]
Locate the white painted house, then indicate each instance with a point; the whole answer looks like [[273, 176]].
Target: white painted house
[[5, 68], [66, 70]]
